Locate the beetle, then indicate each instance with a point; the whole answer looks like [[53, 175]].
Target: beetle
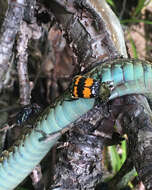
[[84, 87]]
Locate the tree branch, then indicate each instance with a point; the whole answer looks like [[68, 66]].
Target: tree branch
[[9, 30]]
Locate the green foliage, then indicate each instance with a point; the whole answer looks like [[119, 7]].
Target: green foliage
[[126, 178], [117, 159], [134, 21], [137, 13], [111, 3], [133, 46], [139, 7]]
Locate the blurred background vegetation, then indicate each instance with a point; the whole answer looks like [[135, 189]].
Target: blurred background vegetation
[[136, 20]]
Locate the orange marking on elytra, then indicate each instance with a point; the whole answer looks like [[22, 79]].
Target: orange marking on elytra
[[88, 82], [75, 90], [86, 92], [77, 80]]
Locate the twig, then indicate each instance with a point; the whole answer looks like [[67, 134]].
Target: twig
[[9, 30], [22, 55]]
